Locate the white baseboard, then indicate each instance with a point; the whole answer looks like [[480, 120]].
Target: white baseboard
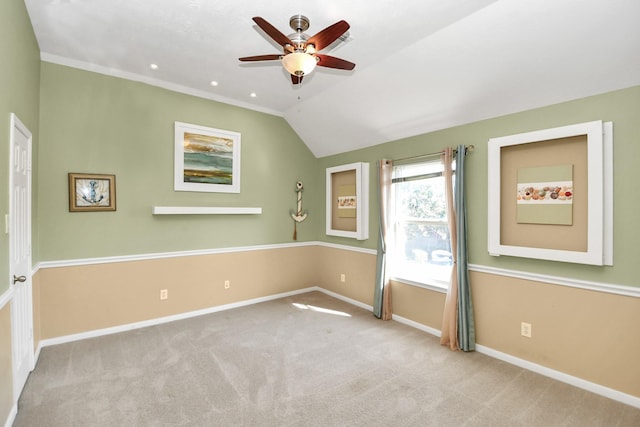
[[5, 297], [36, 355], [12, 415], [539, 369], [561, 376], [166, 319], [345, 299], [187, 315], [534, 367], [551, 373], [425, 328]]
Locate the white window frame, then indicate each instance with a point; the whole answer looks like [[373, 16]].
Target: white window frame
[[429, 282]]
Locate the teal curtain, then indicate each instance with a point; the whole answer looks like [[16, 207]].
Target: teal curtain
[[466, 324], [382, 307], [381, 259]]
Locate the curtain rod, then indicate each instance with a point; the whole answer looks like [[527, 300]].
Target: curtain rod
[[467, 148]]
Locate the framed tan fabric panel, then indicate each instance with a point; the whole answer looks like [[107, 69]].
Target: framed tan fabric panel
[[579, 228]]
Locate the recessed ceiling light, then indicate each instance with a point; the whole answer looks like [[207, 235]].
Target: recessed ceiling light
[[214, 83], [253, 94], [154, 66]]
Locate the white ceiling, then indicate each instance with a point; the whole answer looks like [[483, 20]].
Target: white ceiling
[[421, 65]]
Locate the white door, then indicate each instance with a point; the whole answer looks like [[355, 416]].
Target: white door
[[20, 254]]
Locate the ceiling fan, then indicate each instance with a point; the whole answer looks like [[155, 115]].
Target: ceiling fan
[[300, 52]]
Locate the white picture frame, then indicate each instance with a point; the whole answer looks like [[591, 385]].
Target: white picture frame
[[206, 159], [600, 194], [360, 221]]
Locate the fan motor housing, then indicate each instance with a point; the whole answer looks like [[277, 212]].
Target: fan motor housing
[[299, 23]]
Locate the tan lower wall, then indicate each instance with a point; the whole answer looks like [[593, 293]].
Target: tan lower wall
[[418, 304], [6, 371], [586, 334], [359, 269], [83, 298], [590, 335]]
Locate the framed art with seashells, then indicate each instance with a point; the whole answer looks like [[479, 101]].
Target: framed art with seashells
[[206, 159], [550, 194], [347, 201], [92, 192]]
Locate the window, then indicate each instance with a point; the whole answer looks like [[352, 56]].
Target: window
[[422, 252]]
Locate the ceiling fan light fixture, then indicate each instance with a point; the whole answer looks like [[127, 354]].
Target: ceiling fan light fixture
[[299, 63], [300, 52]]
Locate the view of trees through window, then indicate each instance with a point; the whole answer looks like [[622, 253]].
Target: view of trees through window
[[423, 251]]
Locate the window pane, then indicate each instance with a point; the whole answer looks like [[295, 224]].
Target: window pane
[[423, 253], [423, 199], [426, 243], [414, 169], [422, 249]]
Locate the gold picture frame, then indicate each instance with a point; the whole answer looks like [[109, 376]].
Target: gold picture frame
[[92, 192]]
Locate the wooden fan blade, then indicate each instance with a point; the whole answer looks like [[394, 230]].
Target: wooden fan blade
[[261, 58], [330, 34], [333, 62], [273, 32], [296, 79]]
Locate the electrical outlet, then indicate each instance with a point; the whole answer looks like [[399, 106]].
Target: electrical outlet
[[227, 284], [343, 278], [164, 294], [525, 329]]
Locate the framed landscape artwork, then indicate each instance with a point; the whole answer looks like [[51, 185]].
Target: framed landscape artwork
[[206, 159]]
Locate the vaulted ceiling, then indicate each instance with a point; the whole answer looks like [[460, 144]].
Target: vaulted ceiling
[[421, 65]]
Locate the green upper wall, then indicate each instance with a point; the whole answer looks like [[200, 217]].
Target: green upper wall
[[620, 107], [19, 94], [92, 123]]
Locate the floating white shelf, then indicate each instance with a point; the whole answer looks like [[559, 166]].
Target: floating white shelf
[[197, 210]]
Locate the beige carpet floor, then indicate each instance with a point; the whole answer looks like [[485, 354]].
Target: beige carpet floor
[[306, 360]]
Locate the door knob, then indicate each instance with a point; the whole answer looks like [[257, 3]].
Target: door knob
[[19, 279]]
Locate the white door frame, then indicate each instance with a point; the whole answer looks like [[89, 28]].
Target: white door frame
[[20, 259]]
